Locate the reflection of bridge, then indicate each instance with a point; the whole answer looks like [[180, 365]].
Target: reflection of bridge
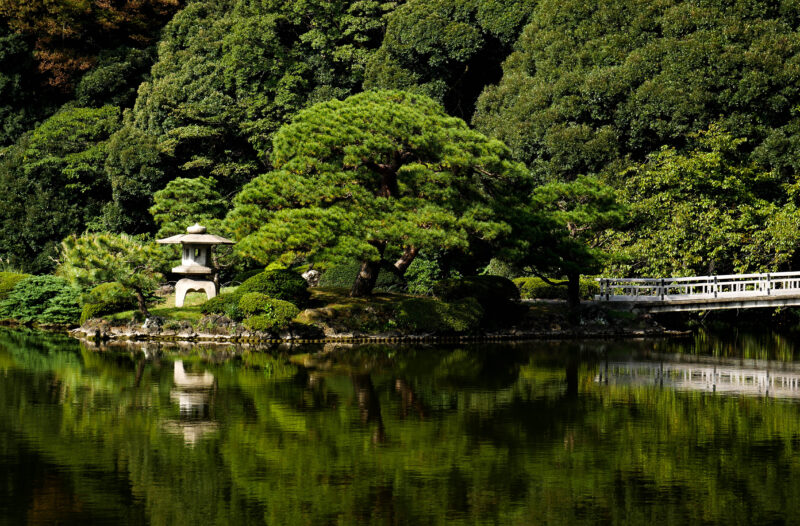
[[737, 291], [722, 378]]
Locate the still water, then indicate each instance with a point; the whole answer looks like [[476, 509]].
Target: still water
[[703, 430]]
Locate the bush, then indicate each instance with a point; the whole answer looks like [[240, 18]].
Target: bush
[[488, 290], [254, 303], [7, 282], [226, 304], [281, 284], [421, 275], [107, 298], [498, 267], [267, 314], [44, 299], [534, 288], [430, 315], [389, 280]]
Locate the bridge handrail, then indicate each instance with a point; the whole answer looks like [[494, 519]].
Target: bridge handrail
[[697, 287]]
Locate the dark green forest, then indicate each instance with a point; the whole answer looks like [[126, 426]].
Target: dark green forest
[[557, 138]]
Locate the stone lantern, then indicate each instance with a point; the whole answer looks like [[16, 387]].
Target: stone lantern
[[195, 262]]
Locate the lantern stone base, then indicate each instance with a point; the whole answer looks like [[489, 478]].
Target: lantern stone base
[[187, 285]]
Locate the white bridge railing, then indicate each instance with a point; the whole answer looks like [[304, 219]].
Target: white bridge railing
[[698, 288]]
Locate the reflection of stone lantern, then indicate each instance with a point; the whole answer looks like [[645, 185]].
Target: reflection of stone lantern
[[195, 261]]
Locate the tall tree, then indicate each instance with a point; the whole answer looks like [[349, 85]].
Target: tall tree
[[594, 84], [569, 221], [69, 35], [379, 170], [54, 184], [449, 50], [707, 211], [229, 73]]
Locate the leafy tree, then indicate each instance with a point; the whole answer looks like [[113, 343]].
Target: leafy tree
[[92, 259], [68, 35], [380, 169], [707, 211], [569, 222], [592, 84], [447, 49], [115, 77], [19, 107], [228, 74], [184, 202], [54, 184], [136, 170]]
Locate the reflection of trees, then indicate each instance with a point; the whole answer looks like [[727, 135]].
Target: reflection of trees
[[369, 407], [296, 446]]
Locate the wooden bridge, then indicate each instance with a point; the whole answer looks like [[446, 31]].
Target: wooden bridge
[[735, 291]]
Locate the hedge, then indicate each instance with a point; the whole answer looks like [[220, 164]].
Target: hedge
[[426, 315], [43, 299], [345, 275], [226, 304], [7, 282], [536, 288], [107, 298], [281, 284]]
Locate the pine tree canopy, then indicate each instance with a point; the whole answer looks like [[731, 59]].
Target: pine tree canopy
[[379, 169]]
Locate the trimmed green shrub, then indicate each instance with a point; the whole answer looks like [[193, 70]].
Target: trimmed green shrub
[[254, 303], [280, 284], [7, 282], [44, 299], [107, 298], [488, 290], [92, 310], [429, 315], [389, 280], [534, 288], [267, 314], [226, 304]]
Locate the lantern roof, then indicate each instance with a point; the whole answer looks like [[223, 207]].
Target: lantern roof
[[195, 235]]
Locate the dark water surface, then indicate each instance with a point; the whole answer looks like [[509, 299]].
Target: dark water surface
[[698, 431]]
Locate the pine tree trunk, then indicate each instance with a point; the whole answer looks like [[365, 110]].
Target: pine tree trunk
[[406, 259], [142, 303], [366, 279], [573, 290]]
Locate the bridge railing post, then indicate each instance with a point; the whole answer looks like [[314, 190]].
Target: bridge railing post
[[661, 289]]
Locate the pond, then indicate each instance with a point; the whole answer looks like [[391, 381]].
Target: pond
[[700, 430]]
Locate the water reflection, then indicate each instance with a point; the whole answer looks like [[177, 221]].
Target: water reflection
[[679, 432], [740, 377], [193, 392]]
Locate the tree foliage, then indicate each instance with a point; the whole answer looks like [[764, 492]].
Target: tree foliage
[[68, 35], [707, 211], [379, 169], [19, 105], [228, 74], [593, 84], [569, 221], [447, 49], [184, 202], [54, 184], [92, 259]]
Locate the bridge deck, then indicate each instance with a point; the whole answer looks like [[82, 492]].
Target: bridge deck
[[736, 291]]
